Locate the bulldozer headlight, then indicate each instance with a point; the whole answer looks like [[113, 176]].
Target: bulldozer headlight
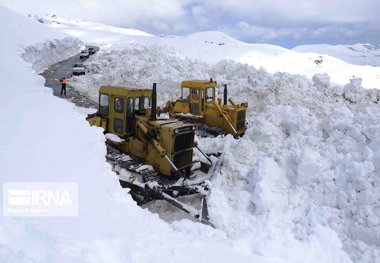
[[175, 131]]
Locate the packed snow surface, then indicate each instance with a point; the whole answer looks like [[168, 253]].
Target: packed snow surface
[[302, 185]]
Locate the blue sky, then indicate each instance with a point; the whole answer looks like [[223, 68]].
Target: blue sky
[[283, 22]]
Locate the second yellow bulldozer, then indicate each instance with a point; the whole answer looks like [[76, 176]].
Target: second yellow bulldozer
[[198, 103]]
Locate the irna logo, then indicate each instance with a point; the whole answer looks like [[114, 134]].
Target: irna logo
[[40, 199]]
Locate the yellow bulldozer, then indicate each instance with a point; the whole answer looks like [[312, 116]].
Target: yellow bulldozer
[[166, 145], [198, 103]]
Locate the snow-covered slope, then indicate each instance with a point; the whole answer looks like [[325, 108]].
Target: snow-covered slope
[[91, 32], [360, 54], [213, 46]]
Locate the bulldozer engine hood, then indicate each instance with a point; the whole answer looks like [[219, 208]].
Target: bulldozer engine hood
[[173, 126]]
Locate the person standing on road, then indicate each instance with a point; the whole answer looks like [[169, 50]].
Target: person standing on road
[[63, 88]]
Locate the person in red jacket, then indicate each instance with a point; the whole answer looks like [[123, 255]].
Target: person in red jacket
[[63, 88]]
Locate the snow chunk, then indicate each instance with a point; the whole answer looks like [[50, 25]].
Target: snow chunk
[[113, 137], [340, 119], [321, 80], [353, 91], [271, 188], [310, 167]]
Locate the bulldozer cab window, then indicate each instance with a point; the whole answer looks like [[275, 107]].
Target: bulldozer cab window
[[118, 125], [119, 105], [142, 103], [103, 105], [195, 94], [147, 103], [195, 101], [210, 94], [186, 94]]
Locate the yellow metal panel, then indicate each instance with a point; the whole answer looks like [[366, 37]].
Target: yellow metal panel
[[126, 91], [198, 83], [181, 106], [104, 124]]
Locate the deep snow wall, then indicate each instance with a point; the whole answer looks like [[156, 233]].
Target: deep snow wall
[[35, 42], [42, 55], [308, 166]]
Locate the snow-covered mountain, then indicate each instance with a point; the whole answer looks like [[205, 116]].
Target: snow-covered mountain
[[302, 185], [90, 32], [360, 54], [212, 47]]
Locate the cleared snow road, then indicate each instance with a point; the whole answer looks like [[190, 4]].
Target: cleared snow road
[[64, 69]]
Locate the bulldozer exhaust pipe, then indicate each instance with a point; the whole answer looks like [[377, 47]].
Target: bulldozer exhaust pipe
[[225, 94], [153, 113]]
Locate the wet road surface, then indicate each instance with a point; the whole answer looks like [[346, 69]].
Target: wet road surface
[[64, 69]]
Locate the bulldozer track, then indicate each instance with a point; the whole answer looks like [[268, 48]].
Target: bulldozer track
[[155, 186]]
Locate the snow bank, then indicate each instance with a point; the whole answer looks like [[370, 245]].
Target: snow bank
[[52, 45], [304, 176], [50, 52], [319, 142], [143, 64]]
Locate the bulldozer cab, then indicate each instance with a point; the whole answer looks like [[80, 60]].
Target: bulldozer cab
[[198, 103], [196, 93], [120, 105]]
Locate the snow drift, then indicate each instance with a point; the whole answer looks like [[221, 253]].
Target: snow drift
[[50, 52]]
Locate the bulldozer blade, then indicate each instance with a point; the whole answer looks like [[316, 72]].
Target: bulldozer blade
[[154, 193]]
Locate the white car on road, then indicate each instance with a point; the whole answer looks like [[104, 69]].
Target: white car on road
[[79, 69], [84, 54]]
